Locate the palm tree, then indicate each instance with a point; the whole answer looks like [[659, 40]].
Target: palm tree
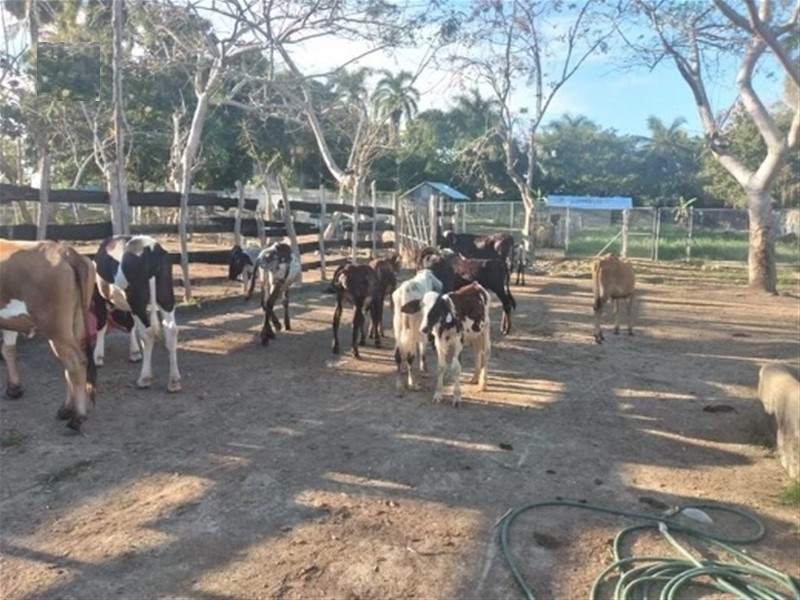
[[479, 114], [396, 96]]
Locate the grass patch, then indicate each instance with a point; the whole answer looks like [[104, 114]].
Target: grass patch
[[190, 303], [65, 473], [790, 495], [11, 438]]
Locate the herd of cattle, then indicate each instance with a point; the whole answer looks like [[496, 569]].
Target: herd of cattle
[[73, 301]]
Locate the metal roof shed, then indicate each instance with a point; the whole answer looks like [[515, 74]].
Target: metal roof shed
[[423, 191]]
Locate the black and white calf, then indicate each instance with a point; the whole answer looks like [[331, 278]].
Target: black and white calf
[[278, 268], [455, 318], [407, 321], [134, 275]]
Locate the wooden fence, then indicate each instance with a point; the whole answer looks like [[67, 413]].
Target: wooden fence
[[247, 221]]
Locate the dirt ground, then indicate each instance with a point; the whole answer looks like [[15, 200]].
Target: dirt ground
[[287, 472]]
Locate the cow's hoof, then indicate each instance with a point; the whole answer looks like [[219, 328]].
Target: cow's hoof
[[64, 414], [437, 398], [474, 380], [14, 392], [335, 348], [599, 338], [264, 338], [174, 385], [99, 361], [414, 386], [356, 353], [287, 327], [377, 342], [135, 357], [456, 401], [144, 382], [75, 425], [630, 331], [277, 325]]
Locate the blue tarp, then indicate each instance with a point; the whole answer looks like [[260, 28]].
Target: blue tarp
[[589, 202]]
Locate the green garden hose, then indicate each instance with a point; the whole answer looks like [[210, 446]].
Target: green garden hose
[[664, 577]]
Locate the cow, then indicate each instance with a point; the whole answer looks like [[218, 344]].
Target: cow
[[407, 324], [279, 267], [779, 392], [387, 270], [134, 275], [455, 272], [612, 279], [358, 284], [454, 318], [470, 245], [47, 287]]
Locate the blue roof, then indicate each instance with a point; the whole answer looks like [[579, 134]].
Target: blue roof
[[444, 189], [589, 202]]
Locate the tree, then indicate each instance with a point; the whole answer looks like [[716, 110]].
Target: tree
[[694, 35], [543, 44], [396, 96]]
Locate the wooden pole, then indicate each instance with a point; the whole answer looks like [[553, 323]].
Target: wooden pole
[[354, 238], [44, 192], [237, 222], [626, 217], [689, 228], [658, 233], [432, 220], [566, 233], [321, 237], [288, 219], [653, 250], [398, 244], [120, 220], [511, 216], [374, 192], [464, 218]]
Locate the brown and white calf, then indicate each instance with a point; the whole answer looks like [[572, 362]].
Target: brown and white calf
[[613, 280], [407, 322], [358, 285], [47, 287], [134, 275], [278, 268], [455, 318], [387, 270]]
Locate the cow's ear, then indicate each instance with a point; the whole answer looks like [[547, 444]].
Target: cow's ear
[[411, 307]]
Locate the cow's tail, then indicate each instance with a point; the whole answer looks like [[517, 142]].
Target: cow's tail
[[152, 308], [85, 327]]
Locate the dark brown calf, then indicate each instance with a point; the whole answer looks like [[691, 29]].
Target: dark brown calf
[[358, 284], [387, 270]]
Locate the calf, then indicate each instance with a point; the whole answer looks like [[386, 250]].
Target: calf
[[134, 275], [242, 263], [455, 272], [407, 321], [280, 269], [612, 279], [358, 284], [779, 391], [47, 286], [454, 318], [469, 245], [387, 270]]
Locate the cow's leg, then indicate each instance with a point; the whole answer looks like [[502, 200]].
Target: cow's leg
[[403, 370], [286, 321], [147, 336], [74, 360], [269, 316], [629, 309], [421, 347], [358, 326], [100, 345], [9, 351], [441, 367], [170, 326], [505, 320], [477, 355], [337, 315], [486, 353], [376, 310], [598, 313], [615, 302], [134, 347], [455, 372]]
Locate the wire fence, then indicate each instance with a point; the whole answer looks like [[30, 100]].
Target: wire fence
[[650, 233]]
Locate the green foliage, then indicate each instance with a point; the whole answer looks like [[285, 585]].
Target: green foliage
[[790, 495], [68, 71]]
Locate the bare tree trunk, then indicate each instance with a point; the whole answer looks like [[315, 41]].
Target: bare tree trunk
[[23, 206], [288, 219], [762, 272], [237, 223]]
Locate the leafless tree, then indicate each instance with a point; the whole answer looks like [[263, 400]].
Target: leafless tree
[[696, 38], [524, 53]]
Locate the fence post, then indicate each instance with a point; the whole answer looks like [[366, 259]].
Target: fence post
[[374, 193], [626, 218], [44, 194], [566, 232], [288, 220], [237, 223], [354, 238], [321, 237], [689, 228], [656, 227], [511, 216], [433, 209]]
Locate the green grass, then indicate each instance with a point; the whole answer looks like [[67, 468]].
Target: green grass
[[65, 473], [791, 494], [11, 438], [190, 303]]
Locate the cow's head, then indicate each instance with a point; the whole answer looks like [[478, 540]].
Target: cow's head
[[447, 239], [237, 263], [428, 258], [438, 313]]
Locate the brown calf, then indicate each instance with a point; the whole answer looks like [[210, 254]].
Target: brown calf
[[47, 286], [387, 270], [358, 284], [612, 279]]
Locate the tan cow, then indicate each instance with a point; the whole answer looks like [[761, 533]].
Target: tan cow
[[612, 279], [47, 287]]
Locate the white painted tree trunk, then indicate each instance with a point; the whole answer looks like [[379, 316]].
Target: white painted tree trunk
[[762, 271]]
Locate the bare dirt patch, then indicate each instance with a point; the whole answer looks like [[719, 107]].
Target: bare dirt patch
[[288, 472]]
